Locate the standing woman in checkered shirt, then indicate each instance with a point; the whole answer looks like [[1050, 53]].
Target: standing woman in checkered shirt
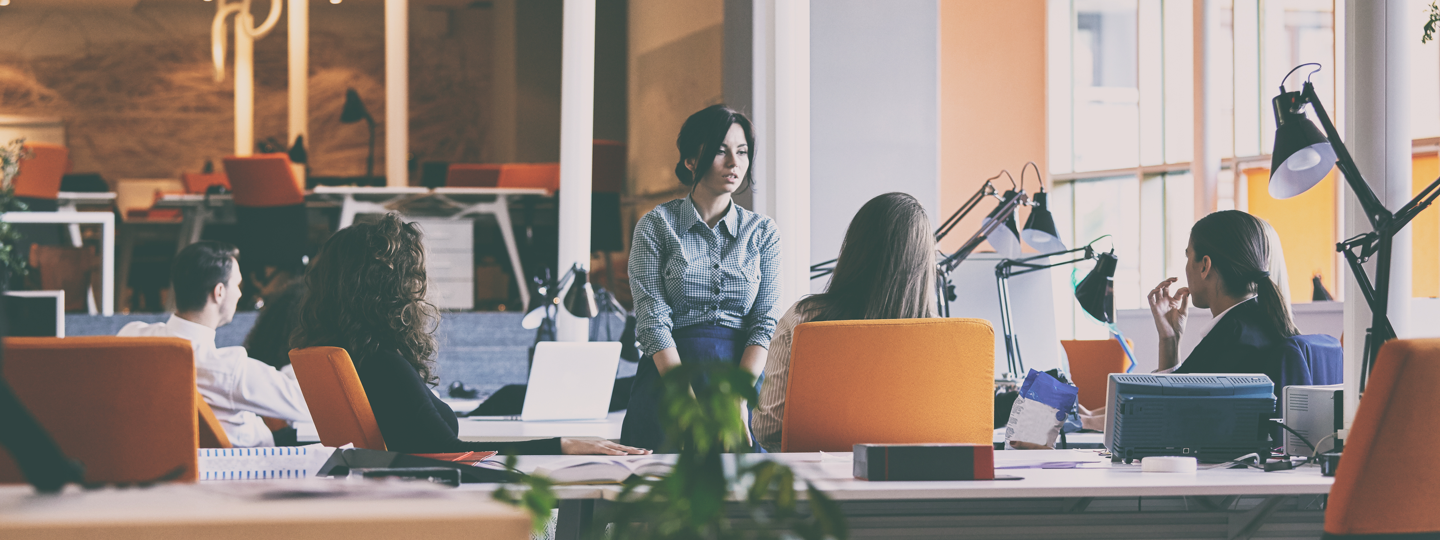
[[702, 269]]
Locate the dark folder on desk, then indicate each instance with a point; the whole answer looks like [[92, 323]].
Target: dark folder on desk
[[345, 459]]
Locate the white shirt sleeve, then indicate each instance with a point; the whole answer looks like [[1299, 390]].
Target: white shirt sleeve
[[770, 413], [263, 390]]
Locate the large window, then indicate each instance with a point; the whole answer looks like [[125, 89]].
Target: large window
[[1122, 128]]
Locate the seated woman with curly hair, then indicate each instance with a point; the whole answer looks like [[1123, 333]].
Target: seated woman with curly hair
[[367, 296]]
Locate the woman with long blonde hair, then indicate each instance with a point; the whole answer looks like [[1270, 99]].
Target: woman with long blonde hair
[[886, 270]]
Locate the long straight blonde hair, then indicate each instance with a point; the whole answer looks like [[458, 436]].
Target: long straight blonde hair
[[886, 268]]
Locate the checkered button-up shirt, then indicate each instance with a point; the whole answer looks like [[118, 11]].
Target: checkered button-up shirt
[[684, 273]]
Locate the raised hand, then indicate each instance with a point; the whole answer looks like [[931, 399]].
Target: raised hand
[[1170, 312]]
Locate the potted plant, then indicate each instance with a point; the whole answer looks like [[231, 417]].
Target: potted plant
[[12, 262], [690, 502]]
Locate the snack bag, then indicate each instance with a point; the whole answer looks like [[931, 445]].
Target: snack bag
[[1039, 411]]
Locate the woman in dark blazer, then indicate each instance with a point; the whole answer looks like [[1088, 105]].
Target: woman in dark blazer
[[1228, 271]]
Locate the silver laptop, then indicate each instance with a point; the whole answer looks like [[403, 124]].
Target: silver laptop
[[569, 381]]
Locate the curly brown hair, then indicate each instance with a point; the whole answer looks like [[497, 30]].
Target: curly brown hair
[[367, 294]]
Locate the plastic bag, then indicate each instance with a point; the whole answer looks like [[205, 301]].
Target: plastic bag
[[1039, 412]]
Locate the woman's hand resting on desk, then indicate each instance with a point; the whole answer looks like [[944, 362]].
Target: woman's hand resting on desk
[[1170, 312], [597, 447]]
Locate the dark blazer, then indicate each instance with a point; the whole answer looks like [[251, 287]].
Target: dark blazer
[[413, 419], [1240, 343]]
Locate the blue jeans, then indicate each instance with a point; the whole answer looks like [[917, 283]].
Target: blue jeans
[[696, 344]]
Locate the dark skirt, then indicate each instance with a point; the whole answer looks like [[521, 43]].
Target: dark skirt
[[699, 343]]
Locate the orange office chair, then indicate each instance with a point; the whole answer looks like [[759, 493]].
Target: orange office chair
[[271, 219], [125, 407], [337, 400], [40, 175], [889, 381], [212, 434], [473, 175], [530, 175], [1091, 363], [1384, 484]]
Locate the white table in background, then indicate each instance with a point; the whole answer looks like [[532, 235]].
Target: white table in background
[[1099, 500], [106, 220], [511, 430], [69, 201]]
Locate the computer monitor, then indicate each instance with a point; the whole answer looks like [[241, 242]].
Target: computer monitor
[[1214, 417]]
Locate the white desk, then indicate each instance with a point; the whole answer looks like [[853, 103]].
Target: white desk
[[460, 202], [68, 201], [511, 430], [341, 510], [1100, 500], [106, 220]]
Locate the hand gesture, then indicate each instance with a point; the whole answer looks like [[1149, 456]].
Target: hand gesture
[[1169, 310], [578, 446]]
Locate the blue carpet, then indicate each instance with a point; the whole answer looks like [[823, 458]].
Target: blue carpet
[[484, 350]]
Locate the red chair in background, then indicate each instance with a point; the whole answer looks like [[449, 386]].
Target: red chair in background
[[38, 181], [199, 183], [270, 215]]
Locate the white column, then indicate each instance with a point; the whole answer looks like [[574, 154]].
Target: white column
[[1377, 132], [397, 92], [299, 46], [244, 83], [577, 132], [787, 193], [1206, 164]]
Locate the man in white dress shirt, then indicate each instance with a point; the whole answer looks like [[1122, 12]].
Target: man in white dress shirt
[[205, 281]]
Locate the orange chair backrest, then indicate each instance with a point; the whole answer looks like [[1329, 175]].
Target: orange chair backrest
[[473, 175], [263, 180], [212, 434], [889, 382], [124, 407], [40, 174], [1091, 363], [1384, 484], [530, 175], [607, 167], [198, 183], [336, 398]]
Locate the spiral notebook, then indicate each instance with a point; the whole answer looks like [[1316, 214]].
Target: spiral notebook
[[262, 463]]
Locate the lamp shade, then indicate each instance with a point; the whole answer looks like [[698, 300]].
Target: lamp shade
[[580, 299], [1040, 230], [1302, 155], [1096, 293], [354, 110]]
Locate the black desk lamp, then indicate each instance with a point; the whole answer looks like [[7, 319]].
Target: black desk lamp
[[945, 293], [1102, 273], [353, 112], [1302, 157]]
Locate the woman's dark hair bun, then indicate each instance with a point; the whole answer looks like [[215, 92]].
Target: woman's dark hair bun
[[702, 135]]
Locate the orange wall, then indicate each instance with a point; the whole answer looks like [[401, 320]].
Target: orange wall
[[992, 100], [1425, 232], [1306, 225]]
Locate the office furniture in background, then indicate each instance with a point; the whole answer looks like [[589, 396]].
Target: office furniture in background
[[449, 262], [270, 215], [199, 183], [106, 221], [1387, 482], [889, 382], [35, 313], [124, 407], [336, 398], [38, 181], [1091, 363]]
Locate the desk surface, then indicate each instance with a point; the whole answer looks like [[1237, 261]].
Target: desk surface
[[241, 510], [834, 474]]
